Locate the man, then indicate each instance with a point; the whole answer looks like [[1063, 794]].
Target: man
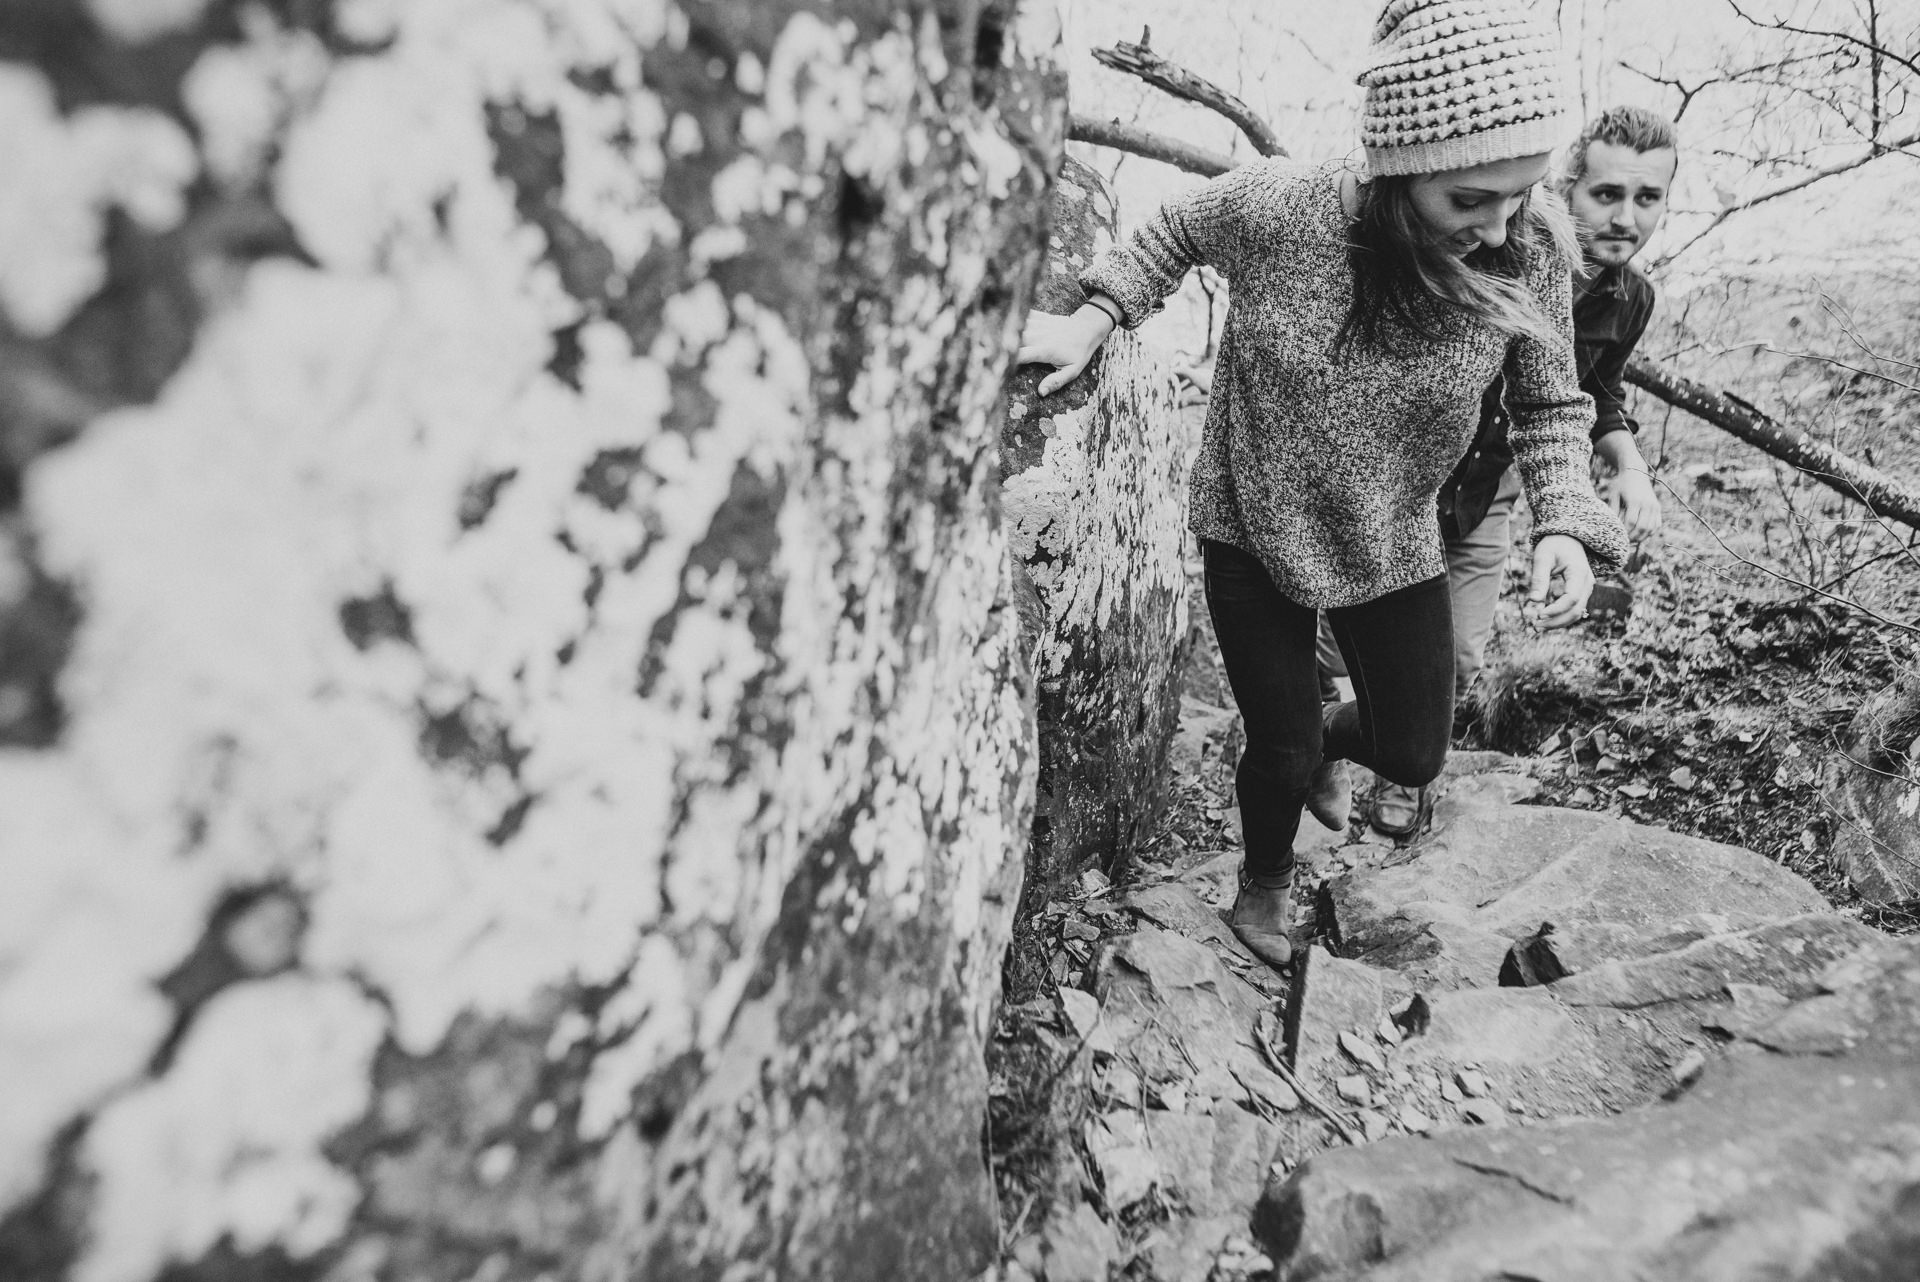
[[1616, 183]]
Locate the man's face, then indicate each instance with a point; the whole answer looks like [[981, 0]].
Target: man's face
[[1621, 199]]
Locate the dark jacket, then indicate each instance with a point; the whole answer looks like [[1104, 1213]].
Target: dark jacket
[[1610, 312]]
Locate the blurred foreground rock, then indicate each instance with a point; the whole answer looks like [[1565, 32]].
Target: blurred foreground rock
[[519, 748]]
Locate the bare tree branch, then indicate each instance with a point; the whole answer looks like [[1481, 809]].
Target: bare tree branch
[[1138, 60], [1881, 494], [1674, 83], [1745, 75], [1845, 37], [1787, 189], [1141, 142]]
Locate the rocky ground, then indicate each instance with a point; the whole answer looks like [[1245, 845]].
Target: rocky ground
[[1181, 1112], [1173, 1094]]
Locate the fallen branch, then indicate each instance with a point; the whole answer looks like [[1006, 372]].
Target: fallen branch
[[1141, 142], [1138, 60], [1881, 494], [1312, 1100]]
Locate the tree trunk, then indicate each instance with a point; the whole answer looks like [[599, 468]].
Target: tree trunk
[[1879, 492], [524, 759]]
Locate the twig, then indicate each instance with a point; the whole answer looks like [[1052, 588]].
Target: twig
[[1845, 37], [1844, 602], [1786, 189], [1142, 142], [1840, 578], [1300, 1088], [1847, 326], [1138, 60], [1762, 345]]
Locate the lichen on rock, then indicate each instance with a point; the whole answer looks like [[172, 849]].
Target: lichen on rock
[[564, 560]]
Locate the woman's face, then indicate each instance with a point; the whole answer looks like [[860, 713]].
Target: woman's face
[[1468, 209]]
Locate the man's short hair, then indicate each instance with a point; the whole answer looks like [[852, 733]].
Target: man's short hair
[[1634, 127]]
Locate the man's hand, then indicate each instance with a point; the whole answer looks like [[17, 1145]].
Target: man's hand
[[1065, 342], [1630, 488], [1563, 557], [1637, 504]]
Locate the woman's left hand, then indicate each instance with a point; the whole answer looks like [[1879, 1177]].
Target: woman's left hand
[[1563, 557]]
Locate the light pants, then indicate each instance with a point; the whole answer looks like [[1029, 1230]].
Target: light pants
[[1476, 565]]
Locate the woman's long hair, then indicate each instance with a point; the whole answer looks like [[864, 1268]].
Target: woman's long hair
[[1399, 271]]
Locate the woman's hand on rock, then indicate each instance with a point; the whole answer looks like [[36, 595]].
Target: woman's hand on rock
[[1065, 342], [1562, 557]]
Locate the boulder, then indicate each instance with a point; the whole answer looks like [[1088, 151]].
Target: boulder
[[1490, 873], [1629, 1030], [1873, 787], [1094, 491], [1797, 1146], [1553, 952], [1778, 1168], [1166, 996], [524, 758]]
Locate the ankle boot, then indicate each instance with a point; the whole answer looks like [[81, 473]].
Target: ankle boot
[[1330, 795], [1260, 918]]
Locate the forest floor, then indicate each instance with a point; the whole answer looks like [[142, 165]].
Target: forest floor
[[1712, 701]]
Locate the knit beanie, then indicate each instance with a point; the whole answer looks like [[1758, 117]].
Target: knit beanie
[[1453, 83]]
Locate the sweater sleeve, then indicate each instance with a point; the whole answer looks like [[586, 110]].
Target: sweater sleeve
[[1214, 224], [1551, 424]]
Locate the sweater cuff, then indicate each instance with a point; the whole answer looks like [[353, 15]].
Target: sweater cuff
[[1590, 521], [1119, 277]]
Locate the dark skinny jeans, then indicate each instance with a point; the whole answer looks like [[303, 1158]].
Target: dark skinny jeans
[[1399, 653]]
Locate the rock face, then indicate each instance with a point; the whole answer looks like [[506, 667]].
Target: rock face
[[1796, 1155], [1874, 788], [1095, 496], [1769, 1169], [1700, 1079], [520, 747], [1492, 872]]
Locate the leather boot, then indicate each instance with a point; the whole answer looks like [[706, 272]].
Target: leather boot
[[1260, 917], [1330, 795]]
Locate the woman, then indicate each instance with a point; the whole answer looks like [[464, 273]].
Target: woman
[[1367, 315]]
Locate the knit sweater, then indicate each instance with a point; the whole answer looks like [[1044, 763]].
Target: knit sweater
[[1325, 469]]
